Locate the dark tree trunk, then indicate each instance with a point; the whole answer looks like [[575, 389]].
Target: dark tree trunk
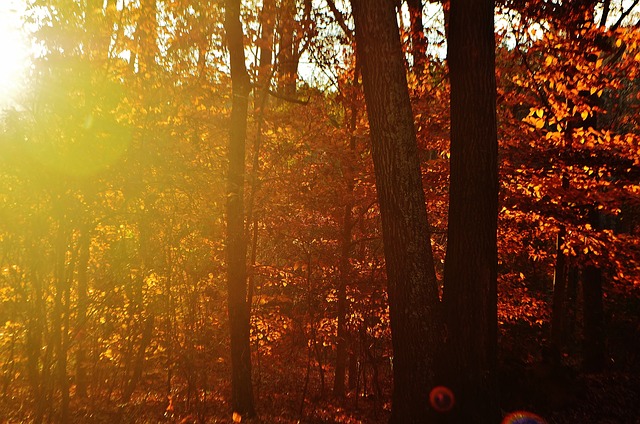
[[341, 345], [594, 351], [558, 311], [573, 276], [344, 266], [412, 289], [238, 308], [605, 13], [470, 274], [594, 334], [560, 278]]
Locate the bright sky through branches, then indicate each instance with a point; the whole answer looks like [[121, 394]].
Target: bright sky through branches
[[14, 52]]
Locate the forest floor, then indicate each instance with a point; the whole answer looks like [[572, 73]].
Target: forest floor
[[291, 389], [605, 398]]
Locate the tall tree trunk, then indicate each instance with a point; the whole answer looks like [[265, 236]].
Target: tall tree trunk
[[345, 249], [267, 22], [571, 299], [593, 309], [288, 55], [558, 311], [470, 293], [594, 350], [261, 96], [146, 36], [81, 316], [412, 289], [36, 328], [138, 365], [98, 30], [58, 321], [418, 40], [341, 344], [238, 309]]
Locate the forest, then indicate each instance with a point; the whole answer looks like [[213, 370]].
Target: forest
[[323, 211]]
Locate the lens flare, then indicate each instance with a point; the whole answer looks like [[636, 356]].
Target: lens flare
[[523, 417], [441, 399]]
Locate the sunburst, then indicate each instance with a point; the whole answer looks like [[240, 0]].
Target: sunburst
[[14, 52]]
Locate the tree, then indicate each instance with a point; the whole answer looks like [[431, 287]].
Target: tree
[[241, 388], [577, 162], [419, 41], [412, 289], [470, 292], [345, 248]]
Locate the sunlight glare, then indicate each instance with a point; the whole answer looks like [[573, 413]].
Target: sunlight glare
[[14, 52]]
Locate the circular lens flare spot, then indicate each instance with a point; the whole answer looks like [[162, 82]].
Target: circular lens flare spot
[[523, 417], [441, 399]]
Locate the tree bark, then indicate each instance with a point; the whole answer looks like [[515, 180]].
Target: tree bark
[[81, 317], [344, 268], [59, 329], [593, 308], [412, 289], [345, 250], [558, 311], [138, 366], [470, 293], [236, 246], [594, 350], [418, 40], [288, 54], [267, 22]]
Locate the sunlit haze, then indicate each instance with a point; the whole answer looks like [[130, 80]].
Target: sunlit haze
[[14, 52]]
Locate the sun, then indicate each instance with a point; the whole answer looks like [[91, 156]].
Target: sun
[[14, 52]]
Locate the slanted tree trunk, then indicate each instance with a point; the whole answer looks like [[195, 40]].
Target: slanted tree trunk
[[412, 290], [236, 246], [470, 292]]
